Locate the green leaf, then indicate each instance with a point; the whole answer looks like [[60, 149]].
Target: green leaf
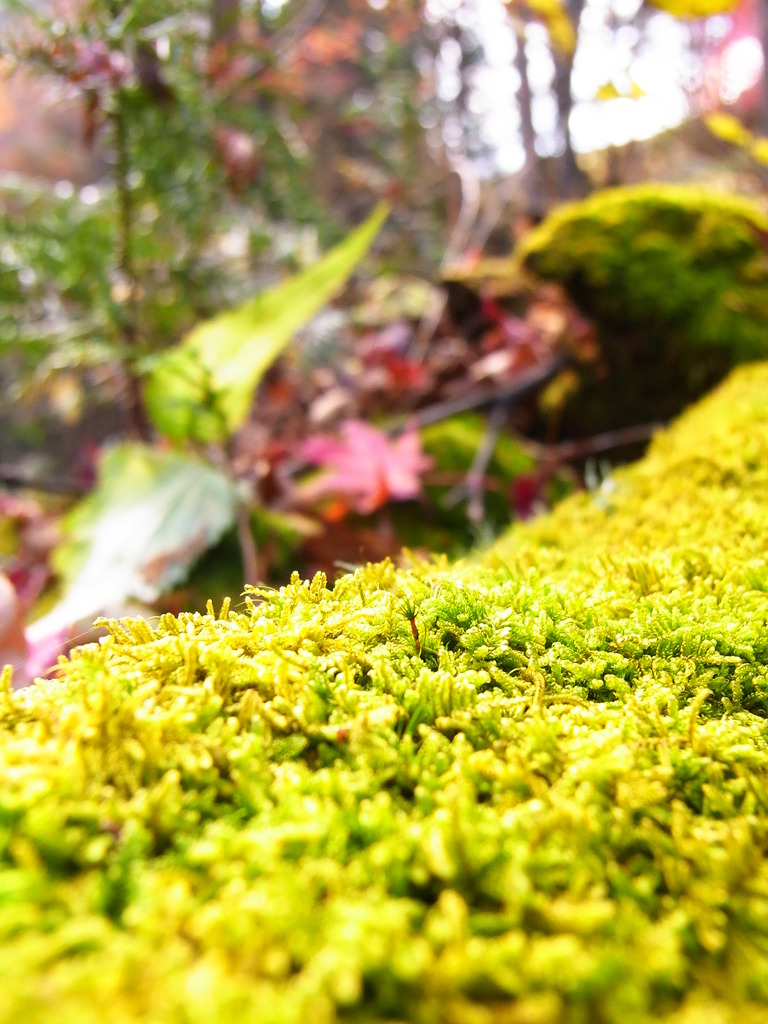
[[150, 516], [695, 8], [202, 389]]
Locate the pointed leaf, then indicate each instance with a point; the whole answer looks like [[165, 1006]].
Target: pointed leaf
[[202, 390], [729, 128], [152, 513]]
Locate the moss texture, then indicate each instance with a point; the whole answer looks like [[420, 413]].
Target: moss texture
[[526, 789]]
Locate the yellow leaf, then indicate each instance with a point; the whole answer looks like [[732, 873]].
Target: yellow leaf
[[729, 128], [759, 150], [636, 91], [694, 8], [609, 91]]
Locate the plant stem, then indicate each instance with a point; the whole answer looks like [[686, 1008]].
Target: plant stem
[[248, 551], [128, 325], [510, 393], [224, 459]]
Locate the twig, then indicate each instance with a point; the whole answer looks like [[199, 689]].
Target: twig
[[472, 486], [15, 476], [568, 451], [509, 393]]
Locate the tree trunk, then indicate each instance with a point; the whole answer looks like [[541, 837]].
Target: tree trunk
[[532, 179], [572, 182]]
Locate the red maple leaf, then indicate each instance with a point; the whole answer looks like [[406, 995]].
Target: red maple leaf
[[365, 466]]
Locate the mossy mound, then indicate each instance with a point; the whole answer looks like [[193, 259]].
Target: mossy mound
[[685, 260], [530, 789], [676, 281], [664, 271]]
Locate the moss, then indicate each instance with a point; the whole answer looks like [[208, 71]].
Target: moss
[[663, 271], [528, 788], [691, 261]]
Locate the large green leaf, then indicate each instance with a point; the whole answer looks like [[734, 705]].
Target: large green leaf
[[694, 8], [202, 389], [150, 516]]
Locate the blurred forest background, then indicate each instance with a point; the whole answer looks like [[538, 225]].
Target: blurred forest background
[[422, 344]]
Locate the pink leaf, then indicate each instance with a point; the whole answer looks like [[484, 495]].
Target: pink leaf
[[13, 646], [43, 652], [366, 467]]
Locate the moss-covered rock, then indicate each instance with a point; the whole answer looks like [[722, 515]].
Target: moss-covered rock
[[665, 271], [530, 789], [675, 279], [688, 262]]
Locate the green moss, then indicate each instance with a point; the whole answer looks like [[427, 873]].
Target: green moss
[[663, 271], [681, 258], [529, 788]]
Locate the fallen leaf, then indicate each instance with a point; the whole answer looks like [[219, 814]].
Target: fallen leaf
[[151, 514], [366, 466], [13, 644]]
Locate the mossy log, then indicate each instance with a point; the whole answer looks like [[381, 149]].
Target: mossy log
[[529, 788]]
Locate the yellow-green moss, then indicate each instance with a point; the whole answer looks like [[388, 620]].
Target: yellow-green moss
[[527, 789]]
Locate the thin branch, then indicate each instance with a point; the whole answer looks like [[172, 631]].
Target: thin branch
[[510, 393], [472, 487], [16, 476], [570, 451]]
